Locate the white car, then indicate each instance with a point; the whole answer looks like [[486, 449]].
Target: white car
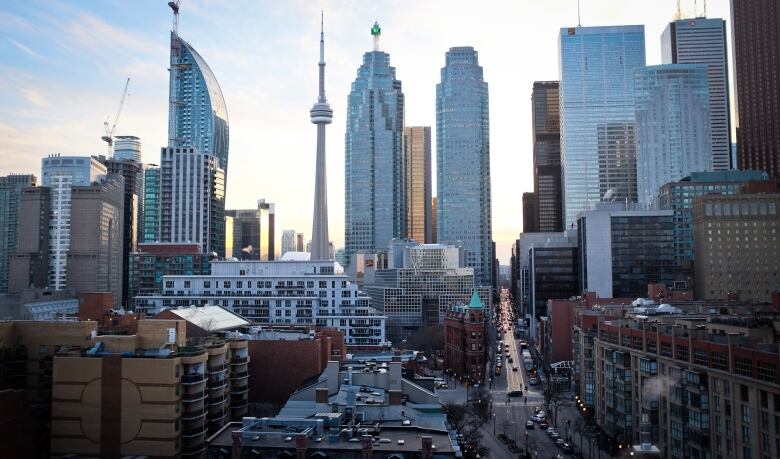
[[537, 418]]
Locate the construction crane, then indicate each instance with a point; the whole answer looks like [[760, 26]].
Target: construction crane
[[175, 64], [109, 137]]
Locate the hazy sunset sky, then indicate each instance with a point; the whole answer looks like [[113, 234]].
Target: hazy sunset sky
[[64, 65]]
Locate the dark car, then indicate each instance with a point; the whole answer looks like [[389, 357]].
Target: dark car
[[543, 425], [515, 393], [567, 448], [529, 425]]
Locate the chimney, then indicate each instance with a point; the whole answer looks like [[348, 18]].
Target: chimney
[[236, 452], [426, 451], [395, 397], [300, 446], [367, 450], [321, 395]]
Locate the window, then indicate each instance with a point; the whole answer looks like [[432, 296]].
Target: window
[[767, 372], [187, 284], [718, 361]]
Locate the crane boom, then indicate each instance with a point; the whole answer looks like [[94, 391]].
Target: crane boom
[[109, 137]]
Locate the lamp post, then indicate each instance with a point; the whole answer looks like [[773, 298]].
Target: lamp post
[[494, 424], [526, 442], [568, 421]]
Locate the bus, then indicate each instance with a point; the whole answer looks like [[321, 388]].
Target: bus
[[528, 361]]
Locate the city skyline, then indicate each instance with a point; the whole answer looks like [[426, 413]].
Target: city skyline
[[262, 58]]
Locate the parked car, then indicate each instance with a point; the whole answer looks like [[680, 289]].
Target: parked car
[[555, 436], [567, 448], [537, 418], [529, 425], [543, 425], [443, 386], [559, 442], [551, 430], [534, 381]]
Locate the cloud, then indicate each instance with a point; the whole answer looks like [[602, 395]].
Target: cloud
[[25, 49], [35, 97]]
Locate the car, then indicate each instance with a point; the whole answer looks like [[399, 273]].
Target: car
[[529, 425], [511, 360], [534, 381], [443, 386], [555, 436], [537, 409], [543, 425], [559, 442], [567, 448], [515, 393], [542, 414], [514, 368], [551, 431], [536, 418]]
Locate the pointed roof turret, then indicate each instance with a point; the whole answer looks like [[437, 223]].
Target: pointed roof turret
[[476, 302]]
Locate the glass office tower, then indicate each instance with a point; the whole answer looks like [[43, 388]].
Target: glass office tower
[[672, 126], [463, 161], [375, 172], [598, 143]]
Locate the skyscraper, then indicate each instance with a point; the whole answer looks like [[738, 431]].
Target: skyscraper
[[375, 171], [197, 116], [463, 161], [151, 205], [434, 233], [547, 155], [756, 39], [321, 115], [253, 236], [192, 199], [598, 144], [417, 147], [672, 126], [530, 213], [703, 41], [10, 200], [288, 241], [127, 147], [300, 245]]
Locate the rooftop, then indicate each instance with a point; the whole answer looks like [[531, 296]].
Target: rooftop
[[211, 318]]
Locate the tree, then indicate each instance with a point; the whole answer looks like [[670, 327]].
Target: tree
[[553, 399], [428, 339], [466, 421]]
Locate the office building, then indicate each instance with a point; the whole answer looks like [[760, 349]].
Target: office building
[[755, 40], [672, 126], [545, 114], [132, 172], [703, 41], [28, 265], [321, 115], [152, 261], [434, 226], [418, 284], [598, 119], [678, 196], [312, 293], [10, 201], [150, 225], [192, 199], [735, 246], [622, 250], [288, 241], [127, 147], [465, 338], [254, 232], [530, 213], [417, 149], [300, 246], [375, 180], [463, 161], [197, 117]]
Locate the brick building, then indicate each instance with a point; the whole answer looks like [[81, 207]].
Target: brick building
[[464, 340]]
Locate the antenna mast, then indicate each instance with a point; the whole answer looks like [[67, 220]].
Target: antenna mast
[[579, 21]]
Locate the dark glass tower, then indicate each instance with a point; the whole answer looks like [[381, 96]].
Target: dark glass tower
[[547, 156]]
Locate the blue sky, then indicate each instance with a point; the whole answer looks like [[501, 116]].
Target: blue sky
[[64, 64]]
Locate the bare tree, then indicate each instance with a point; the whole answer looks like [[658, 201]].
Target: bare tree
[[466, 421]]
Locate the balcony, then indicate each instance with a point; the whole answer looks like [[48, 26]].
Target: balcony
[[196, 378], [192, 415], [193, 396], [239, 360]]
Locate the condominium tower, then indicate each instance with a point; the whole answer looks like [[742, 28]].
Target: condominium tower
[[463, 161], [375, 170], [254, 232], [417, 148], [10, 200], [703, 41], [672, 126], [598, 142]]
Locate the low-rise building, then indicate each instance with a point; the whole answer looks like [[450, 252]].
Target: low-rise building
[[304, 293], [464, 340]]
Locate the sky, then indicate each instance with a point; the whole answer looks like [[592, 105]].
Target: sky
[[63, 65]]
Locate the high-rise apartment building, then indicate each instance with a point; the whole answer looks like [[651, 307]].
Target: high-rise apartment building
[[622, 250], [375, 180], [417, 148], [463, 161], [756, 40], [288, 241], [703, 41], [197, 116], [132, 172], [735, 246], [254, 232], [678, 196], [598, 119], [150, 225], [545, 113], [672, 126], [127, 147], [11, 187], [152, 261], [192, 199]]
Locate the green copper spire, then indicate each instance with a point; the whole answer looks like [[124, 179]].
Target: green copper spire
[[476, 303], [376, 31]]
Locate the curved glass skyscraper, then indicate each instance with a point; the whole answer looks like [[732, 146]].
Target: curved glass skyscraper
[[463, 212], [198, 115], [375, 177]]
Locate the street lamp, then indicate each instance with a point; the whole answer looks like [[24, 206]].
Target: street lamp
[[526, 441], [568, 422]]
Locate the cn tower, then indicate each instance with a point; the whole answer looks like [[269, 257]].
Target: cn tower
[[321, 115]]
